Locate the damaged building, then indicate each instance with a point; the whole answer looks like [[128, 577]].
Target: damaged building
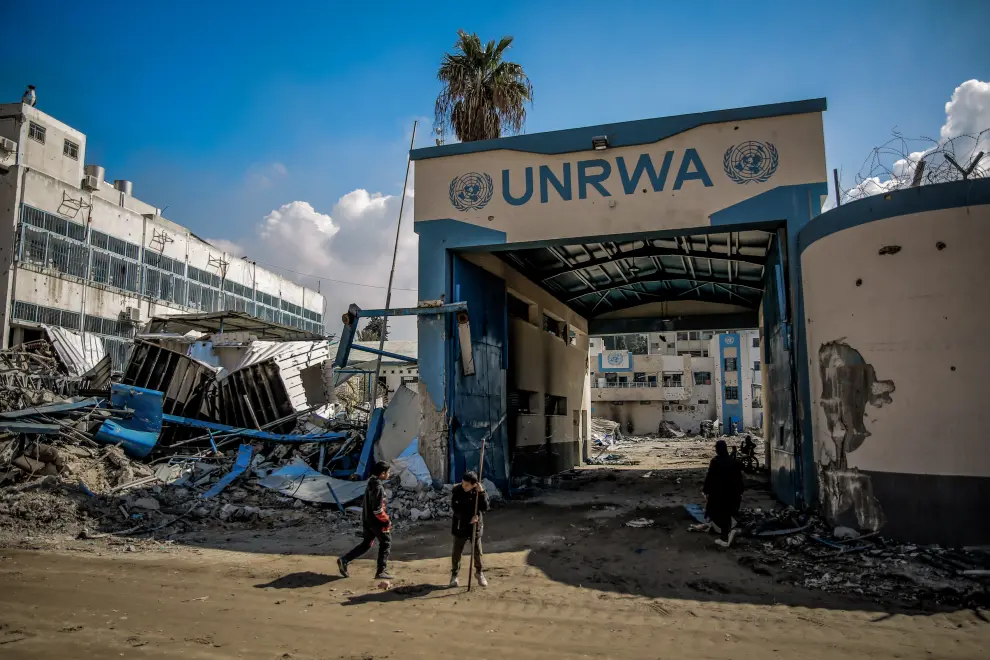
[[868, 354], [84, 254], [684, 378]]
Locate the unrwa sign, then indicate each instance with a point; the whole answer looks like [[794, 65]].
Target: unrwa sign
[[747, 162]]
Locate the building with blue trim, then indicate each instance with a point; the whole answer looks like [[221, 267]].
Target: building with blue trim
[[710, 221]]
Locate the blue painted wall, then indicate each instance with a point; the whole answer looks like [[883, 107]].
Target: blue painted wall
[[731, 412]]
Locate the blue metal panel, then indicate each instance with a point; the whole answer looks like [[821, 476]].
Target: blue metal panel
[[250, 433], [785, 471], [241, 464], [137, 434], [478, 401]]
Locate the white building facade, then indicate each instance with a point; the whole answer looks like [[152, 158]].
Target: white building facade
[[683, 377], [79, 252]]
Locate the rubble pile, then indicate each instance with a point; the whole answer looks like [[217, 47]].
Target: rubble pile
[[426, 502], [670, 430], [812, 554], [30, 375]]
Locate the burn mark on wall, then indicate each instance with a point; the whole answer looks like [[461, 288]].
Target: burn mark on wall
[[849, 385]]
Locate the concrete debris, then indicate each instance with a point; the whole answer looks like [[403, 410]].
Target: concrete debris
[[668, 429], [797, 549]]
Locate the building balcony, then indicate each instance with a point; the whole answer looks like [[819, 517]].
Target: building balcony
[[638, 391]]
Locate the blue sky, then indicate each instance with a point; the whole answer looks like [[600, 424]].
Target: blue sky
[[225, 111]]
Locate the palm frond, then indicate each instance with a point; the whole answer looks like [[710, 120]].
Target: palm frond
[[482, 95]]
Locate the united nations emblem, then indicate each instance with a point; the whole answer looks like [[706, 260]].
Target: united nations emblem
[[729, 340], [471, 191], [615, 359], [750, 162]]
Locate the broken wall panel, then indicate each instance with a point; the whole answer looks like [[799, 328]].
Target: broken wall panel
[[79, 353], [273, 381], [184, 381]]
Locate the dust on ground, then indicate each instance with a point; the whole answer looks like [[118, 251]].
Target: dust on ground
[[568, 579]]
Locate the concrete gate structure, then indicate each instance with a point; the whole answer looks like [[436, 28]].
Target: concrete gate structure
[[712, 221], [552, 236]]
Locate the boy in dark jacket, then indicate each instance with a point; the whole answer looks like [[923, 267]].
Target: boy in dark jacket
[[462, 506], [723, 491], [376, 523]]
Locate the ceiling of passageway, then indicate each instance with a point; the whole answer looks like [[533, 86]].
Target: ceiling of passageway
[[595, 278]]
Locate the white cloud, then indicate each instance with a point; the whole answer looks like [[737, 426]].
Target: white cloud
[[352, 243], [967, 114]]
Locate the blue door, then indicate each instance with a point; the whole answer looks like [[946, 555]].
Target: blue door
[[478, 402]]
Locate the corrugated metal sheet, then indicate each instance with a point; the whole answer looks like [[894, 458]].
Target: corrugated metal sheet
[[183, 380], [79, 353], [274, 380]]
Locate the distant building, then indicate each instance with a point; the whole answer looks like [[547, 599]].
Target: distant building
[[81, 253], [682, 377]]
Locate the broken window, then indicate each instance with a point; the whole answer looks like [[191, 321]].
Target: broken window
[[706, 335], [756, 365], [673, 380], [702, 378], [693, 336], [731, 364], [554, 327], [682, 336], [554, 405], [756, 342], [37, 132], [639, 377], [757, 396], [731, 393]]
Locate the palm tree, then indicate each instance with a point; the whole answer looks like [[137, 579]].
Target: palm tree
[[483, 96]]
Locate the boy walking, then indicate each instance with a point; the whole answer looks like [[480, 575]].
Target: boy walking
[[376, 523], [462, 506]]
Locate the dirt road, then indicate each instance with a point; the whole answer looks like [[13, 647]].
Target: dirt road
[[568, 580]]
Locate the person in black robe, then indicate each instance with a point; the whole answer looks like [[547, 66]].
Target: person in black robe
[[723, 491]]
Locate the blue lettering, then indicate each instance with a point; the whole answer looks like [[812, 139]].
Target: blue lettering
[[517, 201], [645, 163], [691, 157], [563, 189], [594, 179]]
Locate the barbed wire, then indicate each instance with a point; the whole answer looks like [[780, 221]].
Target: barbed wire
[[909, 162]]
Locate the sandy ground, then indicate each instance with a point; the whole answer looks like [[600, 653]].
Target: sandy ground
[[568, 580]]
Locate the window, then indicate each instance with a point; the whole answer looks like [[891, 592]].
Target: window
[[756, 342], [554, 327], [682, 336], [731, 393], [37, 132], [652, 380], [645, 403], [702, 378], [706, 335], [704, 353], [672, 380], [756, 366], [70, 149], [517, 307], [554, 405], [670, 346], [520, 402], [731, 364], [702, 402], [693, 336], [757, 396], [639, 377]]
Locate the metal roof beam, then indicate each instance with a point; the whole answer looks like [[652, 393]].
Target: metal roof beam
[[656, 251], [674, 277]]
